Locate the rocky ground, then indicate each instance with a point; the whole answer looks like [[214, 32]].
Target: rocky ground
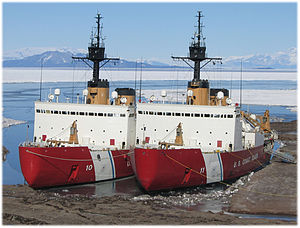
[[277, 182]]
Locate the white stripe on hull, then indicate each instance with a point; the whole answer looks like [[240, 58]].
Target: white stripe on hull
[[214, 168], [103, 167]]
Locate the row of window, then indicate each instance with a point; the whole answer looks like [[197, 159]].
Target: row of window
[[139, 112], [187, 114], [83, 113]]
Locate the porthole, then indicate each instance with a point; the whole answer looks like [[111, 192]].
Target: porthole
[[98, 157]]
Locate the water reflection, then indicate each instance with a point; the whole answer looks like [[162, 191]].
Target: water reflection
[[123, 186]]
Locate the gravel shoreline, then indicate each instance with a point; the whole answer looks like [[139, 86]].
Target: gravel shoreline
[[23, 205]]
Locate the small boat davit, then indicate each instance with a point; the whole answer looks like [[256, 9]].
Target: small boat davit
[[208, 139]]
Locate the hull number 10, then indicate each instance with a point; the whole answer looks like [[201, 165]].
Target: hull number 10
[[88, 167]]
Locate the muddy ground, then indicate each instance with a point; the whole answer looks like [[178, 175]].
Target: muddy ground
[[272, 190], [23, 205]]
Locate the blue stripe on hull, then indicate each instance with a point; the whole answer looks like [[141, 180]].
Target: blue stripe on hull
[[221, 167], [112, 164]]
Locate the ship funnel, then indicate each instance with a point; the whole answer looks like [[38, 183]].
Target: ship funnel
[[124, 96]]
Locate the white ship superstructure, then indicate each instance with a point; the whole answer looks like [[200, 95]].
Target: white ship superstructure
[[101, 126]]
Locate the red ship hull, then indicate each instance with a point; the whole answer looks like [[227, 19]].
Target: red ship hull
[[158, 169], [55, 166]]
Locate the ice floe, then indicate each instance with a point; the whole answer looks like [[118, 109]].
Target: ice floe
[[6, 122], [194, 196]]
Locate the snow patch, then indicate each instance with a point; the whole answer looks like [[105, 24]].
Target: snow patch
[[6, 122]]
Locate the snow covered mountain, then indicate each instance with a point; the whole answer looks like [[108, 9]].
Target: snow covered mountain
[[30, 51], [280, 60], [62, 57]]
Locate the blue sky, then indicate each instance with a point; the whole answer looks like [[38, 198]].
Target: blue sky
[[153, 30]]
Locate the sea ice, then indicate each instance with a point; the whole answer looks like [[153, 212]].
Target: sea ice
[[6, 122], [60, 75]]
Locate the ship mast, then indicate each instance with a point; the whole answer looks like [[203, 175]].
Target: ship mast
[[197, 51], [200, 93], [96, 54]]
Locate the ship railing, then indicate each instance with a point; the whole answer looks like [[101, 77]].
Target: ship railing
[[32, 144]]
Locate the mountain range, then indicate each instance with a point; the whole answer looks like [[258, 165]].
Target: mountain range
[[62, 57]]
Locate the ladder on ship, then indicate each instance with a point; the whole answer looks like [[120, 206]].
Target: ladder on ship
[[282, 156]]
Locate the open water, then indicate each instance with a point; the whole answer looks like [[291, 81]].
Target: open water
[[18, 104]]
